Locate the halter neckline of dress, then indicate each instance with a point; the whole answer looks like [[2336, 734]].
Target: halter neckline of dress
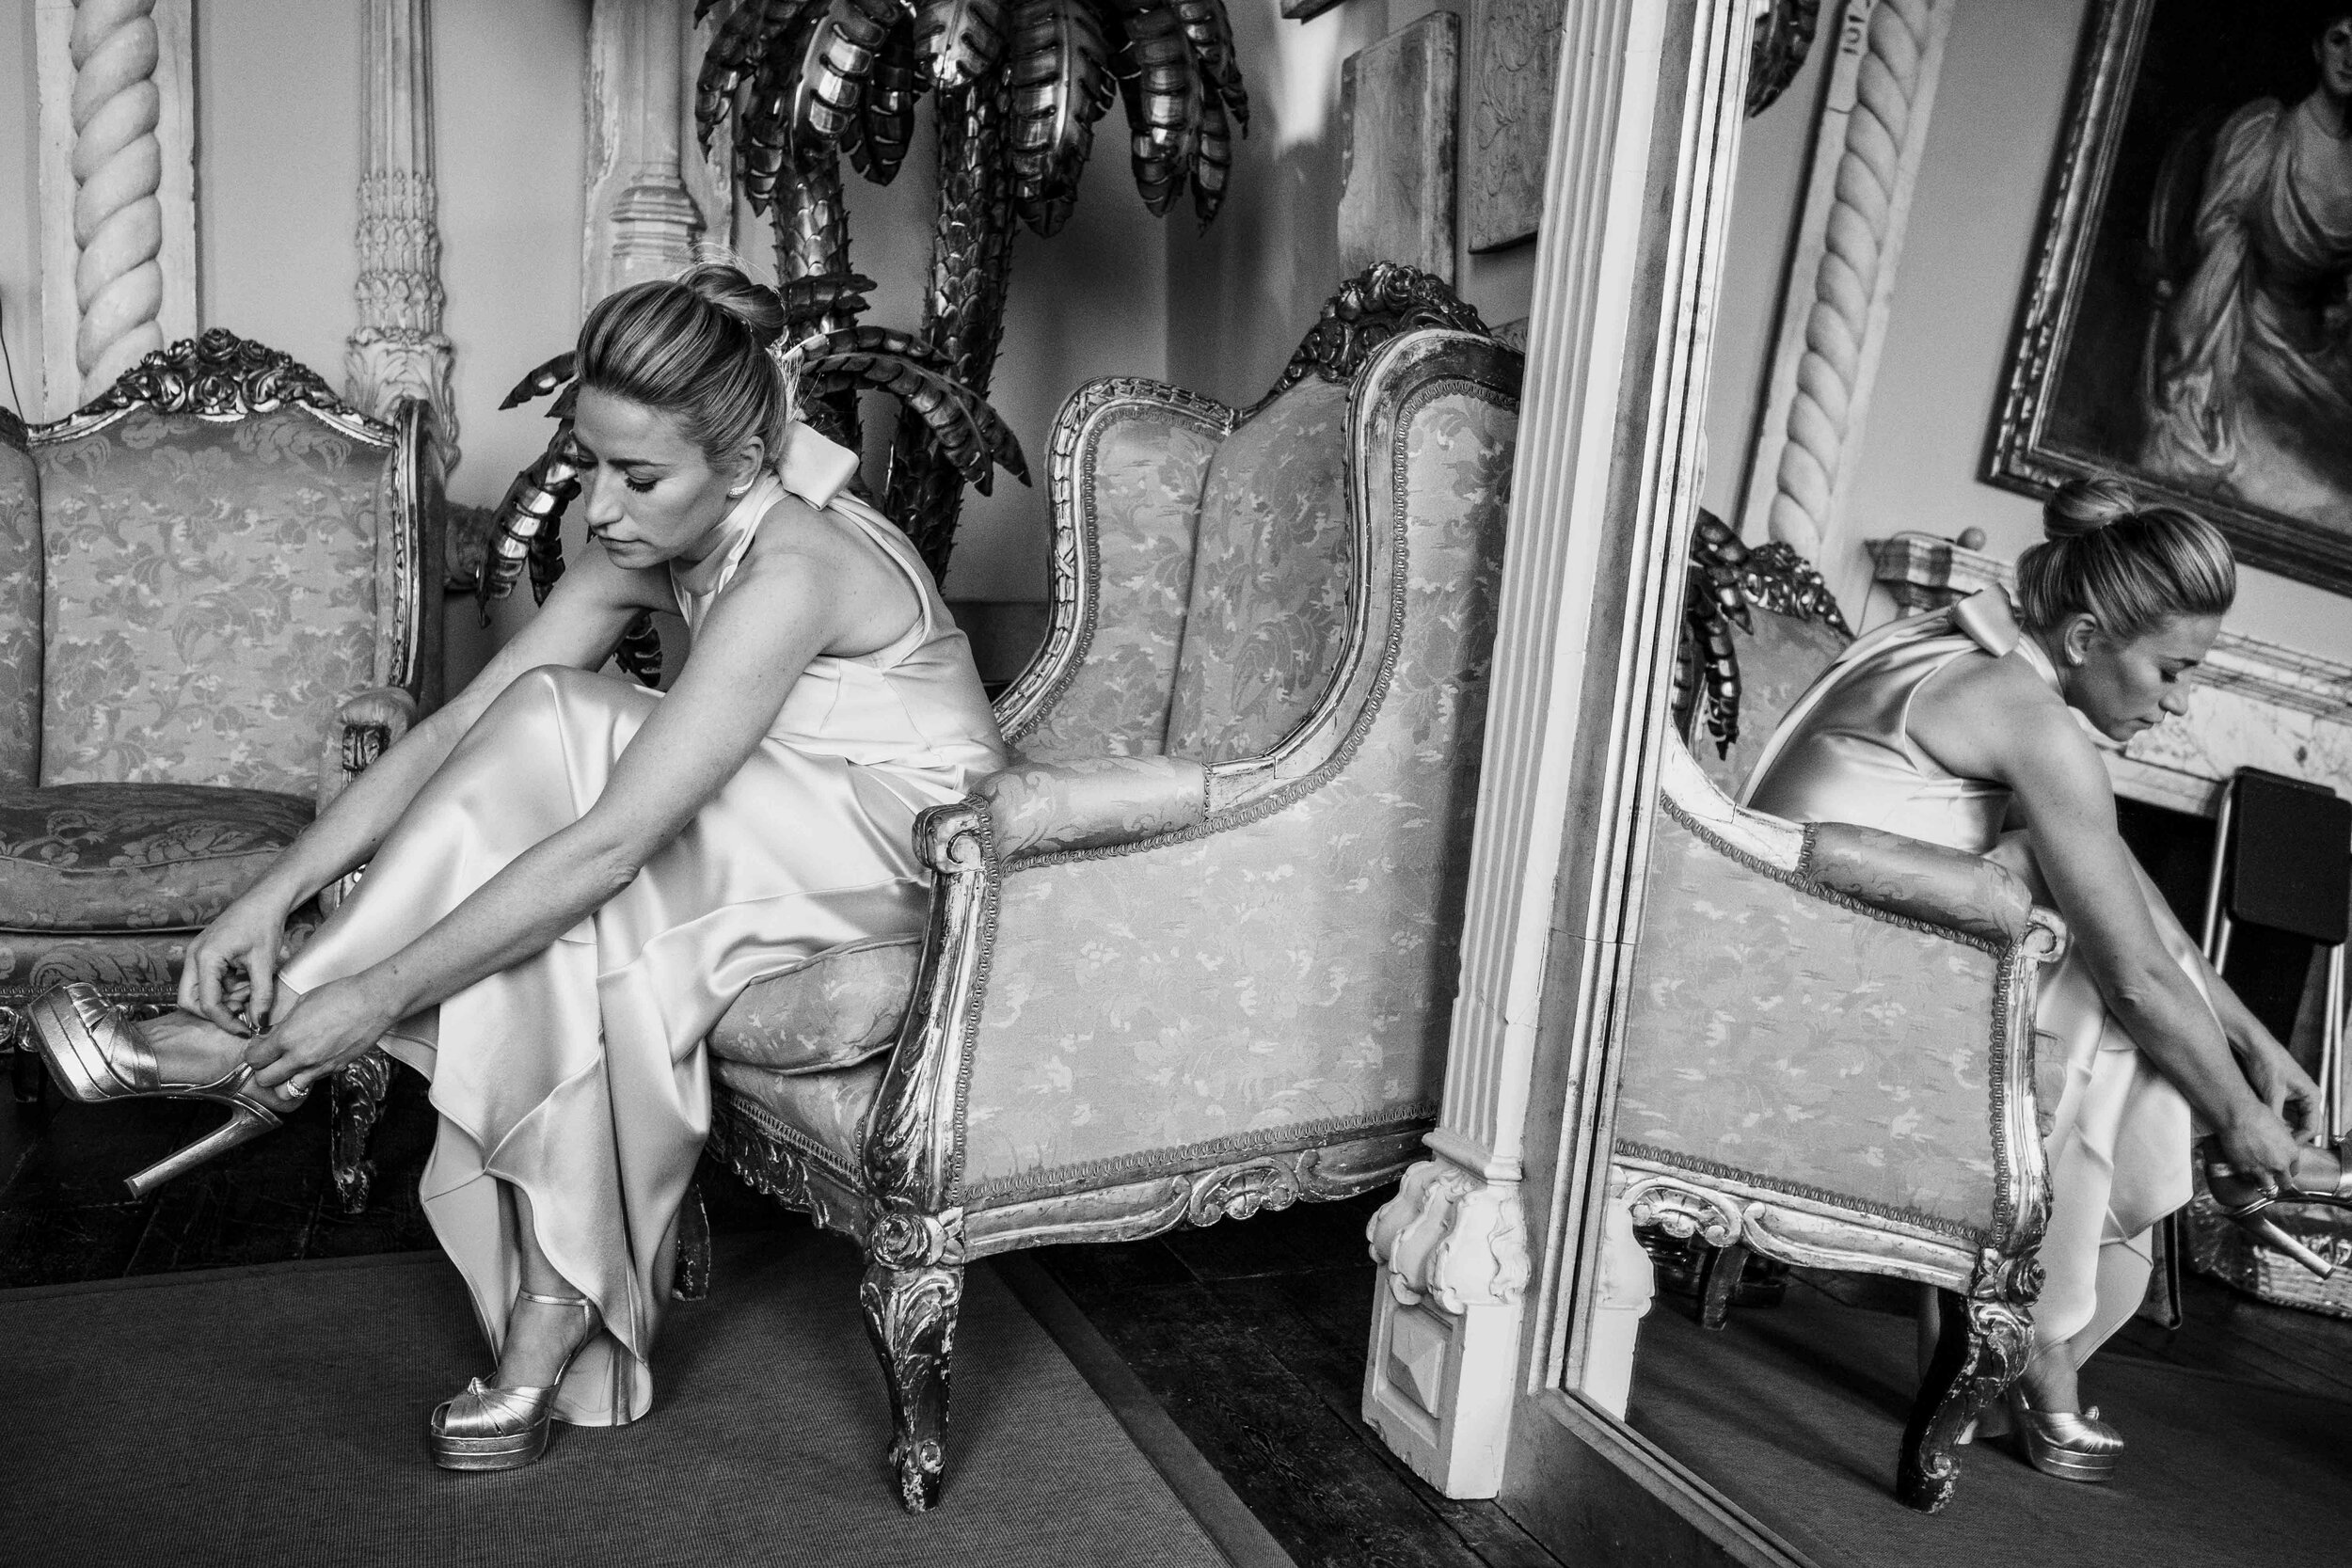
[[811, 467]]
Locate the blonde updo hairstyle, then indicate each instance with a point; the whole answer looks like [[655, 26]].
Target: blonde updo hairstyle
[[697, 347], [2128, 565]]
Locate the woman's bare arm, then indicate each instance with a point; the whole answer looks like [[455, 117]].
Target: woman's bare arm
[[1994, 719], [578, 627], [786, 607]]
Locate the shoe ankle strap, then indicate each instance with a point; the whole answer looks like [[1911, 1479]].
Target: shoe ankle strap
[[580, 1301]]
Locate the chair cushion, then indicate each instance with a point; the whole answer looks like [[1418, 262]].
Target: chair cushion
[[211, 593], [834, 1011], [819, 1114], [1273, 579], [20, 607], [134, 857]]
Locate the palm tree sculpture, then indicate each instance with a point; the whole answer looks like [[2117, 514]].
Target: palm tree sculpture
[[837, 357], [1019, 85]]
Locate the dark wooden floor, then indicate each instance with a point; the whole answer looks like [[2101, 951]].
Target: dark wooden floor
[[1251, 1334]]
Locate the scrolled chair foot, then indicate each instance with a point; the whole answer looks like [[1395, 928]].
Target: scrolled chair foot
[[360, 1088], [911, 1318], [1984, 1340]]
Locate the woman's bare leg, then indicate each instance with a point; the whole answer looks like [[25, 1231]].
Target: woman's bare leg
[[539, 1337], [191, 1050]]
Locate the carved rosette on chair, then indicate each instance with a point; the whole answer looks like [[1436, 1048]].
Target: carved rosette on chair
[[1191, 956], [181, 687], [1828, 1061]]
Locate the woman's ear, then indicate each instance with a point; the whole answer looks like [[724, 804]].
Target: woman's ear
[[751, 459], [2080, 630]]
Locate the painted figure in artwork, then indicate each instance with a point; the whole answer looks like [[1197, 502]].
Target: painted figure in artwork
[[570, 878], [1966, 728], [2248, 385]]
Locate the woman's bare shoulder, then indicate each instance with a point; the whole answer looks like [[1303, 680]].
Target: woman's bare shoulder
[[1981, 712]]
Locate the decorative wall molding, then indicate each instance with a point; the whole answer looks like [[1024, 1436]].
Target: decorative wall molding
[[1397, 112], [399, 349], [117, 188], [1603, 493], [2255, 703], [643, 217], [1841, 279]]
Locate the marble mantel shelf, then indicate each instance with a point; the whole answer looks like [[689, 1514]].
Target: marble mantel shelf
[[2255, 704]]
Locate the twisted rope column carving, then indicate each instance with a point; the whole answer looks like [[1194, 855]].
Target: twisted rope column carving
[[118, 175], [1855, 215]]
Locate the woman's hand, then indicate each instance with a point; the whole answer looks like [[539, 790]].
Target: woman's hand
[[231, 968], [318, 1032], [2285, 1086], [2258, 1146]]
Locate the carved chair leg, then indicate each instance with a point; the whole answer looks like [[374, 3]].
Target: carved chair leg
[[911, 1318], [1719, 1269], [360, 1087], [690, 1279], [1981, 1344], [26, 1075]]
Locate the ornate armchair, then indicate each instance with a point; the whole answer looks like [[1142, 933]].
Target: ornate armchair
[[1828, 1061], [219, 598], [1193, 954]]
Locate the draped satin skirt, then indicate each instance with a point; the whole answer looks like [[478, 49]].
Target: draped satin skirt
[[579, 1074], [2117, 1143]]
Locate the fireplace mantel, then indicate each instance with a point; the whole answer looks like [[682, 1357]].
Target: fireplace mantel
[[2254, 704]]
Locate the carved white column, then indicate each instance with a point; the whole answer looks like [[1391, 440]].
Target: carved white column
[[1873, 130], [642, 217], [1636, 201], [117, 188], [399, 349]]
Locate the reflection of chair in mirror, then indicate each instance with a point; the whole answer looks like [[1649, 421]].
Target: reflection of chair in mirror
[[218, 600], [1828, 1061], [1193, 954]]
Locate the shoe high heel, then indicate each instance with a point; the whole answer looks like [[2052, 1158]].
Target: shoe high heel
[[2242, 1201], [96, 1056], [2062, 1444], [490, 1428]]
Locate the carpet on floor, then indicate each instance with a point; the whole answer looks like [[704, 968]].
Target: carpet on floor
[[1795, 1414], [276, 1414]]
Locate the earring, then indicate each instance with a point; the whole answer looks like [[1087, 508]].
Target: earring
[[738, 492]]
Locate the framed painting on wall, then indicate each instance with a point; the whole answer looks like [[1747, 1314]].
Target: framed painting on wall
[[2188, 327]]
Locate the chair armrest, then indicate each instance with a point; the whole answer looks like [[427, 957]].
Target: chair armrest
[[363, 729], [1043, 808], [1919, 881]]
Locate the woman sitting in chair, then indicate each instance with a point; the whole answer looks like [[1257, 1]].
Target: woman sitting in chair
[[570, 877], [1950, 726]]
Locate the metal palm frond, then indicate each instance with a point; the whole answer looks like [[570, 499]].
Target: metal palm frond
[[1062, 84]]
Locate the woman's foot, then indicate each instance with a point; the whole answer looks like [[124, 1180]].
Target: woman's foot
[[2057, 1435], [541, 1340], [190, 1050]]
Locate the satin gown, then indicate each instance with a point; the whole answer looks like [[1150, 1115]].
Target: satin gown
[[2117, 1132], [579, 1075]]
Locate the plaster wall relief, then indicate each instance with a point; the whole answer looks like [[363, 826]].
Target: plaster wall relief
[[1397, 114], [399, 349], [1518, 58], [117, 188], [1841, 278]]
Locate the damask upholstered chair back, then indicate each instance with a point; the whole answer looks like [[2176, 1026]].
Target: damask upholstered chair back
[[219, 571], [19, 606]]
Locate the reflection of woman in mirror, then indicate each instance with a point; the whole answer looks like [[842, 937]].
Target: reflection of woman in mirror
[[2250, 392], [1954, 727]]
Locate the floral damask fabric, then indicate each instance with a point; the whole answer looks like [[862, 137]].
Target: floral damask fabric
[[1802, 1045], [1777, 663], [1272, 579], [818, 1112], [134, 857], [129, 965], [834, 1012], [1282, 981], [1148, 464], [209, 595], [1088, 802], [19, 610]]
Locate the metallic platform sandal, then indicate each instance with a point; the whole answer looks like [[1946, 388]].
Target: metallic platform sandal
[[2242, 1201], [2062, 1444], [489, 1428], [96, 1056]]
